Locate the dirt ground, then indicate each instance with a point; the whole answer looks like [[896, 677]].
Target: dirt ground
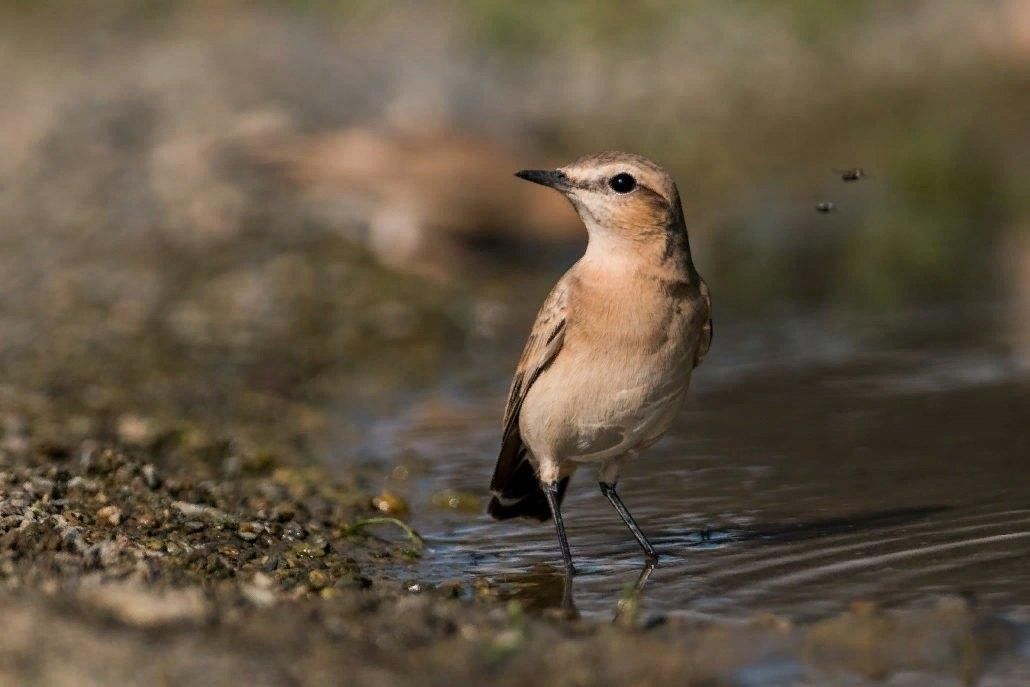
[[124, 564]]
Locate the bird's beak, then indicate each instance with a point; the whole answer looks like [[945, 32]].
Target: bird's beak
[[555, 178]]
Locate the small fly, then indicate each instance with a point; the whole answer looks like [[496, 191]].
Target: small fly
[[853, 174]]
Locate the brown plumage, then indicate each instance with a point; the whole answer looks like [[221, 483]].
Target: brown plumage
[[609, 358]]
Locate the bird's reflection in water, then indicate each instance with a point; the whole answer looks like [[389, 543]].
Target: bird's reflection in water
[[627, 610], [541, 588], [548, 589]]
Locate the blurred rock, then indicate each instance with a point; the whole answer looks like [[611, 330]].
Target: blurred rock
[[429, 201], [143, 608], [391, 503], [109, 515]]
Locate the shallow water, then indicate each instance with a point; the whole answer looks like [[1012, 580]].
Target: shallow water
[[817, 462]]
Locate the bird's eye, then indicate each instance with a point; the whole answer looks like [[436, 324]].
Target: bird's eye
[[622, 183]]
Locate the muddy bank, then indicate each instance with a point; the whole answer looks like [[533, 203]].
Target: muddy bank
[[370, 639], [118, 566]]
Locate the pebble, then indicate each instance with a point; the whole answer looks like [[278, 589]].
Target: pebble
[[317, 579], [150, 476], [196, 510], [311, 549], [390, 503], [109, 515], [249, 531], [133, 429]]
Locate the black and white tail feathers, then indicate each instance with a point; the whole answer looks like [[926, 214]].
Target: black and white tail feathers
[[517, 491]]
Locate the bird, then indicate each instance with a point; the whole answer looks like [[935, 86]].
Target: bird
[[609, 358]]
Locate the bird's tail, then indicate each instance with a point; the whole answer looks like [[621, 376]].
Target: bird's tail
[[522, 496]]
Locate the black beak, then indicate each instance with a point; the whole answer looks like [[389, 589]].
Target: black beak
[[556, 179]]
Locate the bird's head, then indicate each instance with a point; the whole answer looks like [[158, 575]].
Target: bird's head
[[617, 195]]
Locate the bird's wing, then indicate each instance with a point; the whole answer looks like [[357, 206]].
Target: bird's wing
[[545, 340], [706, 330]]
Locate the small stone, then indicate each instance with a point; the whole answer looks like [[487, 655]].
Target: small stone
[[196, 510], [249, 531], [133, 429], [109, 515], [312, 549], [84, 484], [146, 521], [71, 539], [390, 503], [150, 476], [317, 579], [230, 552], [153, 544], [293, 532]]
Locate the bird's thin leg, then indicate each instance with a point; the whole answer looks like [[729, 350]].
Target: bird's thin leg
[[551, 490], [609, 491], [568, 603]]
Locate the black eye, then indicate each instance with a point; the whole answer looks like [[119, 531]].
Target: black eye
[[622, 183]]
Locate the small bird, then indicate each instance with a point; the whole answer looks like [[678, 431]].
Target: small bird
[[609, 358], [824, 206]]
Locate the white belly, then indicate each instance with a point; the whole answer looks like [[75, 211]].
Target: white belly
[[631, 430], [590, 410]]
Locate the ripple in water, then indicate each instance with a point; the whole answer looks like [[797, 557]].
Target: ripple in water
[[792, 488]]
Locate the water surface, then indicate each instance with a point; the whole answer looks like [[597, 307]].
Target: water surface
[[817, 462]]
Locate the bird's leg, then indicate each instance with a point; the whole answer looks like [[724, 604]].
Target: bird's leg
[[551, 490], [568, 603], [609, 491]]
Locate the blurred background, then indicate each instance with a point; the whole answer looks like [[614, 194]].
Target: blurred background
[[293, 224]]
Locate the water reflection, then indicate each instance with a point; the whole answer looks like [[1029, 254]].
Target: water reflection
[[540, 588], [550, 589], [545, 587]]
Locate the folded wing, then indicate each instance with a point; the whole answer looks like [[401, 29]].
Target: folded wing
[[514, 485]]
